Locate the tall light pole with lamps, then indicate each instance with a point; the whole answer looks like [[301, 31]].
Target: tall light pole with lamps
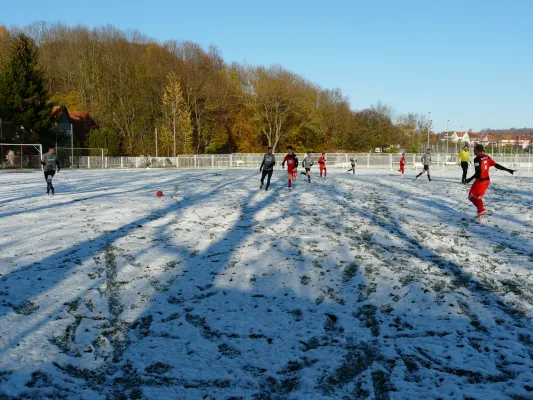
[[447, 135], [429, 126], [461, 138]]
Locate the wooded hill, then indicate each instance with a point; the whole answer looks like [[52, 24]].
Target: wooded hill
[[132, 85]]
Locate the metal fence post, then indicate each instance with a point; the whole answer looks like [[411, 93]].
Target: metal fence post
[[368, 160], [231, 160], [213, 161], [390, 155]]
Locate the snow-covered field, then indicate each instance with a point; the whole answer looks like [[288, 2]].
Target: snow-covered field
[[365, 286]]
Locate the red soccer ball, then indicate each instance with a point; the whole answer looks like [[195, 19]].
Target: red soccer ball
[[159, 193]]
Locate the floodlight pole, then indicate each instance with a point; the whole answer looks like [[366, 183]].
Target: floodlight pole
[[71, 146], [429, 125], [156, 152], [447, 134]]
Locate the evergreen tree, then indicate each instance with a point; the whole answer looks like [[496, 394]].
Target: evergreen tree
[[23, 96]]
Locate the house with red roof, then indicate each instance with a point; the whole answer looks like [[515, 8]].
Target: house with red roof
[[80, 122]]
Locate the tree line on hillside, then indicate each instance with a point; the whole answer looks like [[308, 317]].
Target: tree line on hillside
[[178, 97]]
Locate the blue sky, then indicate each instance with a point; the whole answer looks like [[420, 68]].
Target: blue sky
[[470, 61]]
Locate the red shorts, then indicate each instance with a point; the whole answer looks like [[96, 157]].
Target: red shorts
[[479, 188], [292, 172], [322, 167]]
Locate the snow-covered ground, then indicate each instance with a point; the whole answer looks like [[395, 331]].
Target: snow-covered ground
[[365, 286]]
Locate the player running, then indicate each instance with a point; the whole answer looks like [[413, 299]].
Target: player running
[[353, 163], [292, 165], [307, 164], [482, 163], [267, 168], [426, 160], [463, 159], [50, 162], [402, 164], [322, 164]]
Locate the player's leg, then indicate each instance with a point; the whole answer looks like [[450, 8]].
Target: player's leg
[[325, 172], [269, 175], [477, 191], [52, 173], [429, 177], [46, 173], [478, 202], [263, 175], [49, 186], [289, 180]]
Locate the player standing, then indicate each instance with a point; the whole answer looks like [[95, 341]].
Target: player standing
[[267, 167], [482, 163], [463, 159], [402, 164], [353, 163], [322, 164], [292, 165], [50, 162], [426, 160], [307, 164]]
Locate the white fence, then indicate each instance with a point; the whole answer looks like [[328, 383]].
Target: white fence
[[334, 161]]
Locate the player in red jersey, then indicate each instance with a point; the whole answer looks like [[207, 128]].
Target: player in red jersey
[[482, 163], [402, 164], [292, 164], [322, 164]]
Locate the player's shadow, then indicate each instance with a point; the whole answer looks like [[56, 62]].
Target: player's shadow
[[427, 203], [419, 250], [208, 272], [83, 190], [85, 250]]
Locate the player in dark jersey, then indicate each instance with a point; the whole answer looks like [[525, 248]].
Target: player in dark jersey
[[307, 164], [50, 162], [267, 168], [482, 163], [292, 165], [353, 163], [426, 160]]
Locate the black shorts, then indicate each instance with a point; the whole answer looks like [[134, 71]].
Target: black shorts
[[49, 173], [308, 170], [426, 167]]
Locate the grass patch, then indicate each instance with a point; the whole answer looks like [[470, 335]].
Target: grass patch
[[349, 272]]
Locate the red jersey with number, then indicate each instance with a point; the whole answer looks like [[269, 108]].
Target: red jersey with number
[[402, 161], [483, 162], [292, 162]]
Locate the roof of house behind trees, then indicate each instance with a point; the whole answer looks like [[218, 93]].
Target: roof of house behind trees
[[81, 121]]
